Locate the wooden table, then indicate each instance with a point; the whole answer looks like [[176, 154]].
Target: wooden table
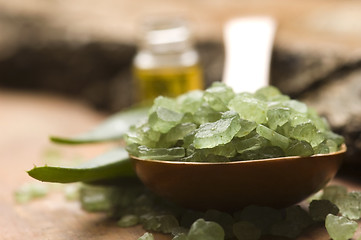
[[26, 120]]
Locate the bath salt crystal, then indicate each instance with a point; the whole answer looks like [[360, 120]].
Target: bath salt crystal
[[222, 218], [206, 114], [295, 106], [181, 236], [307, 132], [164, 102], [30, 191], [350, 205], [218, 95], [190, 102], [227, 150], [146, 236], [251, 109], [152, 222], [175, 134], [209, 135], [205, 230], [263, 153], [334, 137], [167, 223], [246, 127], [339, 227], [322, 148], [299, 148], [297, 119], [277, 117], [161, 153], [270, 93], [275, 138], [332, 145], [271, 152], [333, 192], [128, 221], [163, 119], [142, 135], [251, 142], [320, 122]]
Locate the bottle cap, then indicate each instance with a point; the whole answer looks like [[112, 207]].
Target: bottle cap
[[165, 34]]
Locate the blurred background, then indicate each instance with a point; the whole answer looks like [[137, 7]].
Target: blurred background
[[83, 50]]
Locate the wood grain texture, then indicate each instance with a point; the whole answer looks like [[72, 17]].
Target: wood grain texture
[[25, 122]]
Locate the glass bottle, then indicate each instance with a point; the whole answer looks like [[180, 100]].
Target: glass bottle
[[166, 62]]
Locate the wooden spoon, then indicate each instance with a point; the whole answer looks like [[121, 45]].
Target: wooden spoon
[[277, 182]]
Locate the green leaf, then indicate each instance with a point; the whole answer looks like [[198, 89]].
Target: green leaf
[[111, 129], [113, 164]]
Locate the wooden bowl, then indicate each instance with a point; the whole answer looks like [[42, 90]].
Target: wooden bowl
[[229, 186]]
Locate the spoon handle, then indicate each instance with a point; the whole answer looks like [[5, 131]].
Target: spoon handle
[[248, 47]]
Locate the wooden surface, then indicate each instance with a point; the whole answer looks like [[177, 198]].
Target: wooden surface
[[26, 120]]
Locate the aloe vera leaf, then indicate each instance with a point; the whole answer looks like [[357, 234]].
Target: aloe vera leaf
[[111, 129], [113, 164]]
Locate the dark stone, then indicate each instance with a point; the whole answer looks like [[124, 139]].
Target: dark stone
[[82, 71], [294, 72], [98, 72]]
